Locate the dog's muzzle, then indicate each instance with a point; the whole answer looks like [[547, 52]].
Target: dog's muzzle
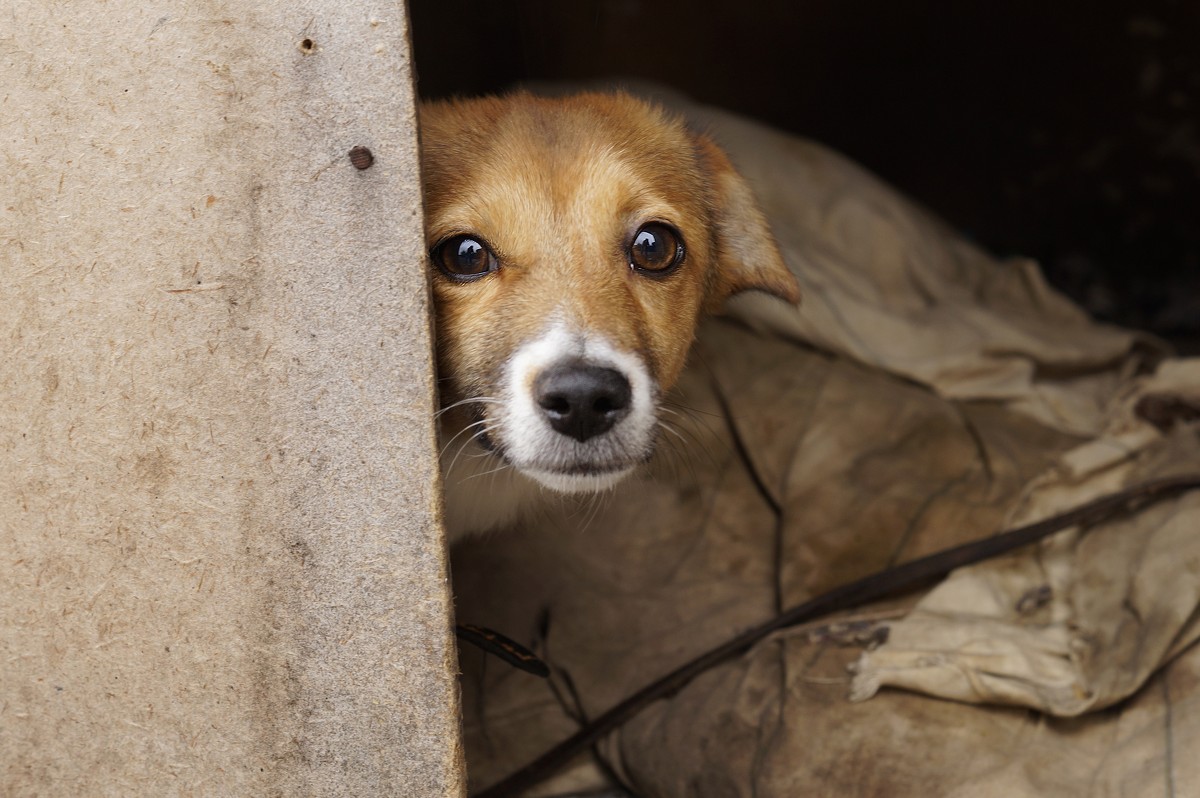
[[577, 414]]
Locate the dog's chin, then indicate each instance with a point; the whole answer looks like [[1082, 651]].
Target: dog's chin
[[578, 483]]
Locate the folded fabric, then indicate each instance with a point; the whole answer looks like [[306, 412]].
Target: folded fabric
[[923, 395]]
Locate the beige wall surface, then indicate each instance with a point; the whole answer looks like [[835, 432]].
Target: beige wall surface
[[221, 570]]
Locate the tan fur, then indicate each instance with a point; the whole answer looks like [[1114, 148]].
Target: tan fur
[[557, 187]]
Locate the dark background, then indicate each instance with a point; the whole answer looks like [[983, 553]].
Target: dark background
[[1066, 131]]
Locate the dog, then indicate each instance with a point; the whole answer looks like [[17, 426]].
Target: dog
[[574, 244]]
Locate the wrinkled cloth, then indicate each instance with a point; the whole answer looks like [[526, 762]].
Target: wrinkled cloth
[[1082, 621], [923, 395]]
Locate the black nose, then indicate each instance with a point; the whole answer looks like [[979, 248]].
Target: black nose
[[582, 401]]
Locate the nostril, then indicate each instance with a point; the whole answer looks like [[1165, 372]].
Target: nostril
[[607, 404], [555, 403]]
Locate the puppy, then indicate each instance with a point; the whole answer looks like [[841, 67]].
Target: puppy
[[575, 243]]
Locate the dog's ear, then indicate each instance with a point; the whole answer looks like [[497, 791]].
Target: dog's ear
[[747, 256]]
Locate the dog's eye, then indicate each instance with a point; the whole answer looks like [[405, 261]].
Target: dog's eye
[[464, 258], [656, 249]]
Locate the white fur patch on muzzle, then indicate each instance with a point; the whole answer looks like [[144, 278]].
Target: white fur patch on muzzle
[[577, 414]]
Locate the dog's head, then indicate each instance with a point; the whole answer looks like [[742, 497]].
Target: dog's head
[[575, 243]]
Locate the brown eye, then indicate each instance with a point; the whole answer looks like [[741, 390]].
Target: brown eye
[[464, 258], [656, 249]]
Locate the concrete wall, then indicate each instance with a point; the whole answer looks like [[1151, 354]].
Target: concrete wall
[[221, 565]]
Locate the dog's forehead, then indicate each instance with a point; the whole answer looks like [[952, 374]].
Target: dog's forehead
[[566, 162]]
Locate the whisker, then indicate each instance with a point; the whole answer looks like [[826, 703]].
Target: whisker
[[666, 426], [701, 430], [473, 400], [675, 457], [503, 466], [685, 444], [678, 406], [459, 434], [465, 443], [592, 508]]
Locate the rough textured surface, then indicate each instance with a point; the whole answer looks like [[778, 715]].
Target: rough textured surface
[[221, 571]]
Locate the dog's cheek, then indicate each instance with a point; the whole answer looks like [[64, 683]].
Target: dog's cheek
[[671, 310], [462, 334]]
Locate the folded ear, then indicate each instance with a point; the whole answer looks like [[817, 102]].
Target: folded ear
[[747, 256]]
